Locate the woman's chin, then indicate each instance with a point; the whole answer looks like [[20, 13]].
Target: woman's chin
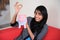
[[37, 21]]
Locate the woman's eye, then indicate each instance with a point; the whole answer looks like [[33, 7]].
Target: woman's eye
[[39, 14], [35, 13]]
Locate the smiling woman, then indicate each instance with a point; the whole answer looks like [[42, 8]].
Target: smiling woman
[[36, 26]]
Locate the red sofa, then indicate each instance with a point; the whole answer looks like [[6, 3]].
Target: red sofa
[[12, 33], [52, 34]]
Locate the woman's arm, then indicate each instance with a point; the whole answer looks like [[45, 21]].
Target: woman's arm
[[30, 32], [14, 18], [17, 6]]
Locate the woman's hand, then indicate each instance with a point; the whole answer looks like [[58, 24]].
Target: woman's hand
[[27, 25], [17, 7]]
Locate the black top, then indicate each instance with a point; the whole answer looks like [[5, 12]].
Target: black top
[[25, 32]]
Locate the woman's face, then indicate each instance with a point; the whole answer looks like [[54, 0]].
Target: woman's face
[[38, 16]]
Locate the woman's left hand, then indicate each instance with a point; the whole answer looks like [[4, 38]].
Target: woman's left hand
[[27, 25], [29, 31]]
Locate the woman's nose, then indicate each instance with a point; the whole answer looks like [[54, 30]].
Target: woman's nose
[[37, 15]]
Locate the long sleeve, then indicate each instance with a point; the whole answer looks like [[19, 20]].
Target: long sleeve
[[25, 31], [43, 32], [14, 24], [23, 35]]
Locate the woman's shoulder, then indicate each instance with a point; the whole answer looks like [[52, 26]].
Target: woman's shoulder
[[29, 20], [29, 17], [43, 32]]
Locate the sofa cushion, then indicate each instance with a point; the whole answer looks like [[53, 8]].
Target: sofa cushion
[[52, 34]]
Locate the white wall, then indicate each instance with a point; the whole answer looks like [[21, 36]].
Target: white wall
[[5, 18], [53, 7]]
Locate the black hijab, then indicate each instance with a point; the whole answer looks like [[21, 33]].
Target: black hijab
[[38, 26]]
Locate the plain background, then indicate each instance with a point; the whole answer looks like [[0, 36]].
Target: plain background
[[5, 18], [53, 8]]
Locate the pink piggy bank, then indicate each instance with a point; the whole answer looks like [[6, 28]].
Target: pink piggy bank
[[22, 20]]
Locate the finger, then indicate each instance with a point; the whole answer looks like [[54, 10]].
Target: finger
[[20, 5], [16, 3]]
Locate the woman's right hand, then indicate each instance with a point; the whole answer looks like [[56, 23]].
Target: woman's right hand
[[18, 6]]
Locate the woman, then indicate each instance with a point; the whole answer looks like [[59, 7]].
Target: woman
[[36, 27]]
